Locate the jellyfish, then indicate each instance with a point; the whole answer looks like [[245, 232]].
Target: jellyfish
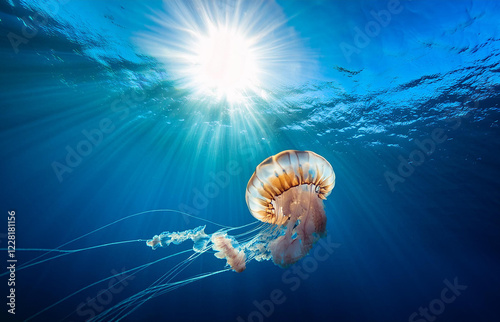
[[287, 191], [285, 194]]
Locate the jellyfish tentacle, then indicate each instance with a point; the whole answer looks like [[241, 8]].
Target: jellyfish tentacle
[[129, 271], [38, 260]]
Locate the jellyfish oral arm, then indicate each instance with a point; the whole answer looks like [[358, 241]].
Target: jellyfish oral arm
[[197, 235], [224, 245], [306, 224]]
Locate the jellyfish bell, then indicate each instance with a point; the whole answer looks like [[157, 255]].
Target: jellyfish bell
[[288, 190]]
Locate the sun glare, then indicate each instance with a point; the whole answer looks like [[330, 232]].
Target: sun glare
[[227, 65], [232, 50]]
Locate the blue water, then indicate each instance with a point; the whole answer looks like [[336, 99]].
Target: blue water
[[426, 79]]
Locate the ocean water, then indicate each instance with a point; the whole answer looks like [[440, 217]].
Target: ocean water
[[108, 109]]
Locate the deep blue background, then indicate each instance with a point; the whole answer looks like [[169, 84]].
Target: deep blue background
[[435, 63]]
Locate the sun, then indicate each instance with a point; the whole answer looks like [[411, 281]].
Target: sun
[[233, 50], [227, 64]]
